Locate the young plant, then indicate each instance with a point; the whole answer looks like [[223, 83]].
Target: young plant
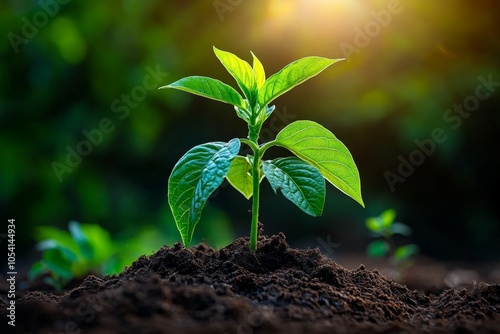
[[384, 228], [87, 249], [320, 155]]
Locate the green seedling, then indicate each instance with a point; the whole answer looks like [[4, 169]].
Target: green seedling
[[87, 249], [301, 179], [384, 228]]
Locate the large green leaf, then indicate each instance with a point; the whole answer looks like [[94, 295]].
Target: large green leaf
[[241, 72], [209, 88], [194, 178], [292, 75], [240, 176], [298, 181], [316, 145]]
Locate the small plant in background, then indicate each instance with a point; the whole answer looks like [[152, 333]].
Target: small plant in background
[[320, 155], [384, 228], [87, 249]]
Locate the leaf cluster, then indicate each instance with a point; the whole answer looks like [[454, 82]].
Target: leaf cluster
[[384, 228], [82, 250], [319, 154]]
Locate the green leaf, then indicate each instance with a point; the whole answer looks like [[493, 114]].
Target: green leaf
[[317, 146], [55, 261], [100, 243], [37, 269], [383, 223], [388, 217], [194, 178], [57, 283], [378, 248], [243, 114], [374, 224], [51, 244], [258, 70], [240, 176], [292, 75], [241, 72], [76, 232], [400, 228], [403, 253], [209, 88], [81, 239], [61, 238], [298, 181]]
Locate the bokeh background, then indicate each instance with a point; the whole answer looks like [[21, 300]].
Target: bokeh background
[[68, 65]]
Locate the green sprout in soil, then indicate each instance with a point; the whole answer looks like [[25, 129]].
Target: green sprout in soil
[[301, 179], [85, 249], [384, 228]]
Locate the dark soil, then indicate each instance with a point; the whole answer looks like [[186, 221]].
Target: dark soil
[[232, 290]]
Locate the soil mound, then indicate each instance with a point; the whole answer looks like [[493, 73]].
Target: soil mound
[[277, 289]]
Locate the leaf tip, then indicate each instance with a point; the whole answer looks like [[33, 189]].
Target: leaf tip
[[361, 203]]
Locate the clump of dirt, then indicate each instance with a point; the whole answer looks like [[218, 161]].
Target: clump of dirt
[[277, 289]]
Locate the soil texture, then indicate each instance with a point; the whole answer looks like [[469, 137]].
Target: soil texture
[[277, 289]]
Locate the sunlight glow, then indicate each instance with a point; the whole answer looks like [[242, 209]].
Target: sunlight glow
[[322, 18], [289, 11]]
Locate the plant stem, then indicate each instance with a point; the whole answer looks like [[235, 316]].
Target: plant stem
[[255, 200]]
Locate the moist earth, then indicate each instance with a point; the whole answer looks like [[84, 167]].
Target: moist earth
[[277, 289]]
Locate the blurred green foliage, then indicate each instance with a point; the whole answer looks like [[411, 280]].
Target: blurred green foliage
[[90, 61], [89, 249], [84, 249], [385, 229]]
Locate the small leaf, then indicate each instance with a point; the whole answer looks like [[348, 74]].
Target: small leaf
[[61, 238], [209, 88], [269, 110], [56, 262], [57, 283], [384, 224], [241, 72], [243, 114], [378, 248], [37, 269], [388, 217], [76, 232], [50, 244], [258, 70], [298, 181], [194, 178], [374, 224], [240, 176], [400, 228], [292, 75], [317, 146], [100, 243], [403, 253], [75, 229]]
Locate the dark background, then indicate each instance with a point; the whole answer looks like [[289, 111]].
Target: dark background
[[395, 87]]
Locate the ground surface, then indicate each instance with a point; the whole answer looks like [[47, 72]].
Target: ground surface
[[275, 290]]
